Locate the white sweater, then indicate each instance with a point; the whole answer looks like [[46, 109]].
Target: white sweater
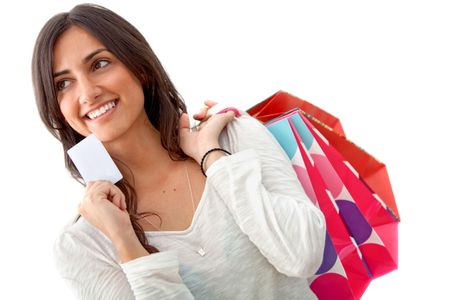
[[259, 234]]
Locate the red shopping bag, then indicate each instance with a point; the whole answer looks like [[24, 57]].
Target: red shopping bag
[[282, 102]]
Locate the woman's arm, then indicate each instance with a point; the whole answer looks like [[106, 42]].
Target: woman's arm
[[259, 186], [82, 253], [85, 263]]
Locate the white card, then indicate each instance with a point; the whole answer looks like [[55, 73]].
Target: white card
[[93, 161]]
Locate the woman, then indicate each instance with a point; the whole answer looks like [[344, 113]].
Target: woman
[[242, 229]]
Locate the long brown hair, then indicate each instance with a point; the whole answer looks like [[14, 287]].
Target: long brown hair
[[163, 104]]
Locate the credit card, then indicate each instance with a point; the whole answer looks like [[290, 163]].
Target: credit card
[[93, 161]]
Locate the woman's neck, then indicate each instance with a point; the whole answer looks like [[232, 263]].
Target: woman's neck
[[139, 153]]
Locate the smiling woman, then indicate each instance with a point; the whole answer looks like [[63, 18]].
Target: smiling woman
[[233, 220], [129, 50], [92, 84]]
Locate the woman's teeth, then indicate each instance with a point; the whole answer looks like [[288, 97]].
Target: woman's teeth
[[100, 111]]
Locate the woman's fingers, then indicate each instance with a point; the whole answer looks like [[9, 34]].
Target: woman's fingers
[[104, 190], [220, 120], [114, 196], [123, 204], [201, 114], [184, 121], [204, 110], [104, 206], [210, 103]]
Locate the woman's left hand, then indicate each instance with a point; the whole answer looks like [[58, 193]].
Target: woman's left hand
[[195, 143]]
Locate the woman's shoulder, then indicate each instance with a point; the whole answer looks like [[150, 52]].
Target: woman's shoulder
[[245, 123], [246, 132]]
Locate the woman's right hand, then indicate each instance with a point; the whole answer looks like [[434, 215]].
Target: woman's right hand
[[104, 207]]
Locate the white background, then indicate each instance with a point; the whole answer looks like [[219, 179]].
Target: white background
[[382, 67]]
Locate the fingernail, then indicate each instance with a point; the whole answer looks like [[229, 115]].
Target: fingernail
[[236, 112]]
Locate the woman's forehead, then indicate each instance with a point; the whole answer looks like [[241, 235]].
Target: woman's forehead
[[72, 47]]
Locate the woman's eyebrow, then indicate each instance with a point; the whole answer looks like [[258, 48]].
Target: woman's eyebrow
[[85, 60], [94, 53]]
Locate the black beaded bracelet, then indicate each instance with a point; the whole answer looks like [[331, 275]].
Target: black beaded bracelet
[[207, 153]]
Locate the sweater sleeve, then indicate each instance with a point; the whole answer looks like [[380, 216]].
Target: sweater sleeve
[[156, 276], [91, 274], [260, 188]]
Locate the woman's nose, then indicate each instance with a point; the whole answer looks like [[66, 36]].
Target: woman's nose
[[89, 90]]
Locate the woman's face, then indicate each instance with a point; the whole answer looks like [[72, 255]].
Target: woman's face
[[96, 92]]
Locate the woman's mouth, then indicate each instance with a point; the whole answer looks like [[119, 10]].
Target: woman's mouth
[[97, 113]]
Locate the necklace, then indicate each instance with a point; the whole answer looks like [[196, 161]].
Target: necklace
[[200, 250]]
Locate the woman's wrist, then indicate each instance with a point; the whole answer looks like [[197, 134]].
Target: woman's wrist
[[129, 247], [210, 156], [203, 149], [209, 159]]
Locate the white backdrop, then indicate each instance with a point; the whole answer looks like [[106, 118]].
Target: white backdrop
[[382, 67]]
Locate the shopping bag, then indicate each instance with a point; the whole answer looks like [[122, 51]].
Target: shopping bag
[[370, 224], [282, 102], [331, 281], [364, 213], [371, 171]]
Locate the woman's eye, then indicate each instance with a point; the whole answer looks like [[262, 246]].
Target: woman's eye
[[62, 84], [100, 64]]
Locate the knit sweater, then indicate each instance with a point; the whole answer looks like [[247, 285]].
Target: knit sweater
[[254, 235]]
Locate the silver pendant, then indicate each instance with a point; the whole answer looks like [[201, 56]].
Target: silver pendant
[[201, 252]]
